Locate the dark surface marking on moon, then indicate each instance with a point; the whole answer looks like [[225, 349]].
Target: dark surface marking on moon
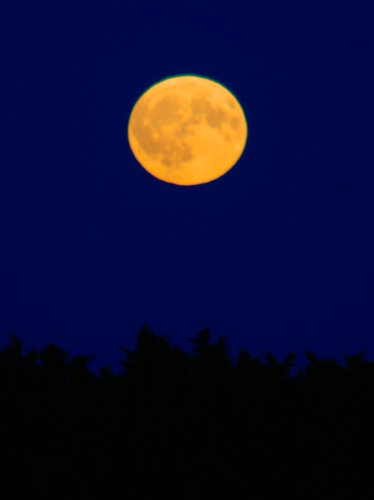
[[235, 122], [231, 103], [166, 110], [171, 151], [203, 108]]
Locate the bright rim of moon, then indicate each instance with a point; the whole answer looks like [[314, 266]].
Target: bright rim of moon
[[187, 130]]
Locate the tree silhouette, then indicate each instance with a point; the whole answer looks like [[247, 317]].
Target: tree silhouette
[[185, 424]]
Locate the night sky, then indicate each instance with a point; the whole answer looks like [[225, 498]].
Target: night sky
[[277, 255]]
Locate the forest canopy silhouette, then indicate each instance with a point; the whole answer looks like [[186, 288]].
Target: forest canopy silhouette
[[185, 425]]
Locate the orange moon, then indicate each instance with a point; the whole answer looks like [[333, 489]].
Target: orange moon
[[187, 130]]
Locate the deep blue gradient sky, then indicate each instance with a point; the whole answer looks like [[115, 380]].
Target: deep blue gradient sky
[[277, 255]]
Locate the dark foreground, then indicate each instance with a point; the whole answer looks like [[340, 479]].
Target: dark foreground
[[184, 426]]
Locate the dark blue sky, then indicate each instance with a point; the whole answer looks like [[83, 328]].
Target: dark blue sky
[[277, 255]]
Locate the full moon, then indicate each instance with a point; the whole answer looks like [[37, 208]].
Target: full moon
[[187, 130]]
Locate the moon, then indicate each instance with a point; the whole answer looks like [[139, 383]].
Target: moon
[[187, 130]]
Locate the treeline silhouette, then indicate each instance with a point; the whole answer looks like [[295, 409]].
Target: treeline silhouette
[[184, 425]]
